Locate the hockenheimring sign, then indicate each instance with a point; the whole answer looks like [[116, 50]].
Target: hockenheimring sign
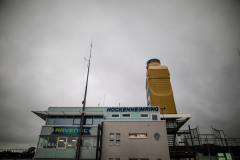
[[131, 109]]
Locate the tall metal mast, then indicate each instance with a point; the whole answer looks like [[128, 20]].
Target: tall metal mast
[[79, 142]]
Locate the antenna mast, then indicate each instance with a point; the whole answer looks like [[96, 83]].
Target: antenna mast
[[79, 142]]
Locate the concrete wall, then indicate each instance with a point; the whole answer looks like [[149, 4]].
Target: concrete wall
[[142, 148]]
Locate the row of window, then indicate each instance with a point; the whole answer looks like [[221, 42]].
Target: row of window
[[112, 135], [66, 142], [129, 159], [111, 142], [128, 115], [140, 135], [57, 142], [73, 120]]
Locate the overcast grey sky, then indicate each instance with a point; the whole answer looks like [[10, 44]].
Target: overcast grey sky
[[43, 45]]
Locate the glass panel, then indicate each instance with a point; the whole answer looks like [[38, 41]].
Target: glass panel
[[118, 135], [89, 120], [111, 142], [70, 153], [132, 135], [77, 120], [43, 142], [154, 117], [52, 143], [60, 120], [52, 120], [60, 153], [87, 143], [97, 120], [115, 115], [111, 135], [94, 142], [125, 115], [142, 135], [71, 143], [144, 115], [61, 142], [69, 121], [50, 153], [117, 142]]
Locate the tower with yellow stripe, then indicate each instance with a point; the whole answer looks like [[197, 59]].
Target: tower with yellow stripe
[[158, 87]]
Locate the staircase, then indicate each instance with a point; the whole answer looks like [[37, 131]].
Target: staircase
[[170, 139]]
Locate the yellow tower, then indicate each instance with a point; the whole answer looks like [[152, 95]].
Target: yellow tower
[[158, 87]]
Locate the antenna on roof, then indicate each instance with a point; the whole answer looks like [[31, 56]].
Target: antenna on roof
[[79, 141], [238, 52], [85, 95]]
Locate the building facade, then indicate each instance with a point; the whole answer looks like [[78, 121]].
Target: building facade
[[127, 133]]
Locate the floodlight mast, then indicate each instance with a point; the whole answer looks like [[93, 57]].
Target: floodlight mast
[[79, 142]]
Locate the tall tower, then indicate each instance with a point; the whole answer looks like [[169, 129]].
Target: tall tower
[[158, 87]]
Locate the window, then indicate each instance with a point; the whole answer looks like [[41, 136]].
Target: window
[[111, 135], [43, 141], [115, 115], [111, 142], [77, 120], [61, 142], [52, 143], [156, 136], [117, 158], [118, 135], [52, 120], [69, 120], [117, 142], [154, 117], [71, 142], [126, 115], [97, 120], [132, 135], [138, 135], [87, 143], [94, 142], [110, 158], [89, 120], [60, 120], [144, 115]]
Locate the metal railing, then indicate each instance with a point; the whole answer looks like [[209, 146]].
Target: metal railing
[[209, 141], [14, 150]]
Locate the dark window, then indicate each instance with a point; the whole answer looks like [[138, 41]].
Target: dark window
[[61, 142], [69, 120], [89, 120], [97, 120], [52, 142], [125, 115], [71, 143], [115, 115], [154, 117], [51, 120], [144, 115], [60, 120], [77, 120]]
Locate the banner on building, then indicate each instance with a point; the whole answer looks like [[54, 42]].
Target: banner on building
[[71, 130]]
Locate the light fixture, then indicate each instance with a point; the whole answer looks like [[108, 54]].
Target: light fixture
[[69, 145], [61, 140], [73, 140]]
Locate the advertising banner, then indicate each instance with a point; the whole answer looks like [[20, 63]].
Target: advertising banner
[[71, 130]]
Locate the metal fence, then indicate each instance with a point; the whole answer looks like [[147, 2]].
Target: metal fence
[[14, 150]]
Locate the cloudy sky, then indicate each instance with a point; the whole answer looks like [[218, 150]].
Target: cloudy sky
[[43, 45]]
